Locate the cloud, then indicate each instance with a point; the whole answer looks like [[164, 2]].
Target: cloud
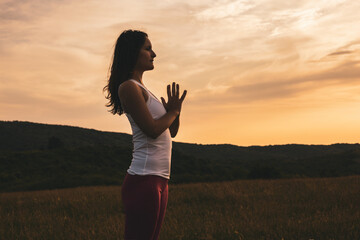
[[55, 106], [24, 11], [340, 53], [345, 74], [225, 9], [346, 52]]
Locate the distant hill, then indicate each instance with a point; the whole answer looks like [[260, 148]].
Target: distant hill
[[42, 156], [24, 136]]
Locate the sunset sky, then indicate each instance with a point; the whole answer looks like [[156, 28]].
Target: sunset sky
[[257, 72]]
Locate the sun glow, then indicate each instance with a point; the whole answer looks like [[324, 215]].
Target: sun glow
[[257, 72]]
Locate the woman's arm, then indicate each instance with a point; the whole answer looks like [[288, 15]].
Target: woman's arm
[[134, 103], [174, 127]]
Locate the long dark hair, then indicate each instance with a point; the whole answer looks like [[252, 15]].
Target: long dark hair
[[125, 56]]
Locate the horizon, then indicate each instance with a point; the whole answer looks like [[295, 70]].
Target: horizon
[[257, 72], [314, 144]]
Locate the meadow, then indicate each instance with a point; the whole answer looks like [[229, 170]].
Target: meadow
[[307, 208]]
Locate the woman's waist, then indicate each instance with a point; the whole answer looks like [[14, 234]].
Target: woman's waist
[[151, 165], [149, 154], [163, 146]]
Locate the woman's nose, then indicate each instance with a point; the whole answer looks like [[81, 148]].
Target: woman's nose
[[153, 54]]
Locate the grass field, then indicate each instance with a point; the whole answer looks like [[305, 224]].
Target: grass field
[[246, 209]]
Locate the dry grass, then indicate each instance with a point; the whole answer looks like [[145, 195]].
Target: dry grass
[[251, 209]]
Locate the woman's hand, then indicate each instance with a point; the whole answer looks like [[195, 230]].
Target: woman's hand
[[174, 102]]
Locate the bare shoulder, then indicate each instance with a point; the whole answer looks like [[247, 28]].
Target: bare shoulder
[[128, 88]]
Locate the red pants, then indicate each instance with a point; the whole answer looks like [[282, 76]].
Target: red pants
[[144, 199]]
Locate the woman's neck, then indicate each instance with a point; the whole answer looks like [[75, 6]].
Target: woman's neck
[[137, 76]]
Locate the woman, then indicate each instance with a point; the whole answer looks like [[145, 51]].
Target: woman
[[145, 187]]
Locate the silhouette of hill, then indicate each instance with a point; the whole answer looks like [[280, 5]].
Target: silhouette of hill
[[42, 156], [24, 136]]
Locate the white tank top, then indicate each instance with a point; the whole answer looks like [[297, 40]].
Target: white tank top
[[150, 156]]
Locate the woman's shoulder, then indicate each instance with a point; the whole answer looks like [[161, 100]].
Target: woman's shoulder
[[128, 85]]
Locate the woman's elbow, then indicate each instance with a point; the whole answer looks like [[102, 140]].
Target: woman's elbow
[[153, 133], [173, 132], [156, 133], [150, 131]]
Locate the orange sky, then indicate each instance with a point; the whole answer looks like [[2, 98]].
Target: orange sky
[[257, 72]]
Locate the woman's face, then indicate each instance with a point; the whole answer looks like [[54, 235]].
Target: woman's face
[[146, 57]]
